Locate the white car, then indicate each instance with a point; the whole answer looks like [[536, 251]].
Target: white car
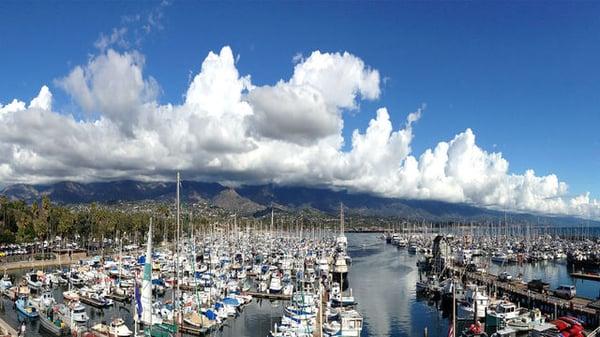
[[504, 277], [566, 291]]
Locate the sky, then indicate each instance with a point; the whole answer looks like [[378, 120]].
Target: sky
[[490, 103]]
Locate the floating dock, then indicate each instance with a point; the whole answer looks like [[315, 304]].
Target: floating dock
[[268, 296], [586, 276]]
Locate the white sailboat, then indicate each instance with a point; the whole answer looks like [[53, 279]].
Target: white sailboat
[[147, 282]]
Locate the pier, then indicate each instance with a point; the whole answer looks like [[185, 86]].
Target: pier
[[579, 307]]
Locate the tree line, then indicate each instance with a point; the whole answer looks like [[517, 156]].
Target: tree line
[[21, 222]]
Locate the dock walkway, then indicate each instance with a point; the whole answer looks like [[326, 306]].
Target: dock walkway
[[256, 294], [578, 306]]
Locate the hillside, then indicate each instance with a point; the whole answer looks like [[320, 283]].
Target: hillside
[[256, 199]]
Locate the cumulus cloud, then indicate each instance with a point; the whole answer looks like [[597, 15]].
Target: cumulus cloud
[[111, 84], [229, 129], [308, 107]]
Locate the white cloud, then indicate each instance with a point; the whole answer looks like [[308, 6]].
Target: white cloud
[[309, 106], [117, 37], [228, 129], [112, 84], [43, 100]]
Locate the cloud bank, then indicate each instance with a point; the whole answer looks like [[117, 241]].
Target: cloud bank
[[230, 130]]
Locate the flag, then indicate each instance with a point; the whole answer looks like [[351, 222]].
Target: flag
[[138, 301], [451, 330]]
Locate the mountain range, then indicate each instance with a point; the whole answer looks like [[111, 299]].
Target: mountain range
[[255, 199]]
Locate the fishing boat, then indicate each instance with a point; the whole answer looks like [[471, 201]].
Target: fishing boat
[[527, 321], [504, 311], [52, 322], [25, 306], [44, 300]]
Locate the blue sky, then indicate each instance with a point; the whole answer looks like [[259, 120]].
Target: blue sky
[[523, 75]]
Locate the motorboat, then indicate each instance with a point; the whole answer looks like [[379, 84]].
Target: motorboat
[[25, 306]]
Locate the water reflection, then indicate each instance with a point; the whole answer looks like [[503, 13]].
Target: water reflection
[[382, 278]]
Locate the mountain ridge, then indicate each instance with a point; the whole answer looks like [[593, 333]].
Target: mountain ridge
[[250, 199]]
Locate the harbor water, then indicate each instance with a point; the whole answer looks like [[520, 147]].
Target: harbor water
[[382, 278]]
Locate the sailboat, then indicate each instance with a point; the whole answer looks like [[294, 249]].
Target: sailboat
[[340, 260], [147, 282]]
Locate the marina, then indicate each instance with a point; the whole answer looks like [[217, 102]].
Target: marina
[[380, 304]]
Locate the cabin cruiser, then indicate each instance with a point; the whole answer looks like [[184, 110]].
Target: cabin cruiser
[[33, 280], [75, 312], [71, 295], [275, 285], [90, 297], [349, 323]]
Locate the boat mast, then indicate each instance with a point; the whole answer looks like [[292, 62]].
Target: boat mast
[[177, 246], [341, 219]]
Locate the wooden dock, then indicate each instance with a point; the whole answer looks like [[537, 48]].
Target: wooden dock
[[119, 298], [586, 276], [548, 303], [268, 296]]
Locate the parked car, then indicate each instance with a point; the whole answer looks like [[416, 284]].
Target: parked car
[[505, 277], [566, 291]]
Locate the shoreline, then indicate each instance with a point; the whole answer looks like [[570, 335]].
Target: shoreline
[[64, 259]]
